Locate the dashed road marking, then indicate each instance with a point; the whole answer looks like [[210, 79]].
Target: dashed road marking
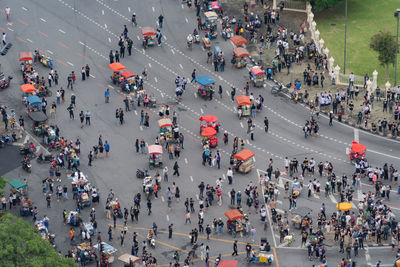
[[333, 199], [42, 19], [186, 161], [167, 217], [191, 178], [135, 112], [162, 199], [187, 21], [102, 11], [24, 8], [141, 128], [92, 76], [29, 40], [109, 39], [138, 37], [70, 63], [50, 52], [155, 79], [180, 65], [149, 65], [105, 25], [61, 31], [241, 125], [129, 9], [201, 110], [154, 10]]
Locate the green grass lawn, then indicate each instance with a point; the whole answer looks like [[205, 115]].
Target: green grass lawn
[[365, 18]]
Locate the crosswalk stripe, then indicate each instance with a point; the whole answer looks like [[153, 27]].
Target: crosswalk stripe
[[333, 199]]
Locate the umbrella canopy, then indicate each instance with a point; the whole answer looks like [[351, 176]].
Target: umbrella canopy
[[214, 5], [25, 56], [228, 263], [344, 206], [127, 74], [241, 52], [204, 80], [233, 214], [257, 71], [34, 100], [148, 31], [302, 211], [242, 100], [238, 40], [211, 15], [116, 66], [209, 118], [127, 258], [244, 154], [358, 148], [17, 184], [209, 131], [27, 88], [155, 149], [164, 122], [38, 116]]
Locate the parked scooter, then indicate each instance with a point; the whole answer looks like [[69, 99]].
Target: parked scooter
[[26, 165], [44, 158], [141, 174]]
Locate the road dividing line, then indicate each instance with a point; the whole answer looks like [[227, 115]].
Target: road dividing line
[[92, 76], [105, 25], [186, 161], [197, 196], [195, 95], [172, 50], [356, 135], [180, 65], [61, 62], [102, 11], [42, 19], [155, 79], [24, 8], [149, 65], [167, 217], [43, 33], [183, 7], [227, 93], [22, 22], [154, 10], [29, 40], [248, 142], [138, 37], [162, 95], [70, 63], [162, 199], [135, 112], [141, 128], [223, 176], [201, 110], [129, 9], [191, 178], [241, 125], [187, 21], [61, 31], [50, 52], [109, 39], [20, 39], [62, 45]]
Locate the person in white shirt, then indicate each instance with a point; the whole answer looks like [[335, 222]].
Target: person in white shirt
[[4, 39], [7, 10]]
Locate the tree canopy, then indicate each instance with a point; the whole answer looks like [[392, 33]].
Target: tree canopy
[[22, 245], [385, 44], [319, 5], [3, 183]]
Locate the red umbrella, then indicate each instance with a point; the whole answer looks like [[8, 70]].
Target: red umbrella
[[209, 118], [209, 131], [358, 148]]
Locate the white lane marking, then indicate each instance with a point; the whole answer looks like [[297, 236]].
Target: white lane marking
[[105, 25], [10, 29], [50, 52], [187, 21], [111, 86], [191, 178], [162, 95], [162, 199], [135, 112], [129, 9], [186, 161], [197, 196], [223, 176], [155, 78], [24, 8], [102, 12], [248, 142], [138, 37], [92, 76], [195, 94], [241, 125], [165, 38], [227, 93], [141, 128], [180, 65], [201, 110], [61, 31], [70, 63], [42, 19], [333, 199], [109, 39], [183, 7], [29, 40], [172, 50], [154, 10], [26, 139], [167, 217], [149, 65], [383, 154]]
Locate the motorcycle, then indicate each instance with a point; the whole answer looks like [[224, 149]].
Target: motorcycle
[[141, 174], [26, 165], [217, 260], [45, 158], [4, 83], [5, 140], [196, 39], [189, 44]]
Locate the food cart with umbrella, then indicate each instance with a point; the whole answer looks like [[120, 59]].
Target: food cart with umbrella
[[356, 151], [128, 259], [107, 254], [165, 126], [116, 67], [209, 121], [204, 88], [128, 81], [239, 57], [243, 161], [234, 222], [257, 76], [300, 213], [238, 40], [46, 60], [244, 105], [209, 136], [228, 263], [26, 59], [155, 156], [211, 20], [149, 36], [27, 89]]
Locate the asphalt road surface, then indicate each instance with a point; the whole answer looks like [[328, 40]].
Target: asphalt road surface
[[76, 33]]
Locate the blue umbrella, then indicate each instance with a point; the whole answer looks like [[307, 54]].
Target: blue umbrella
[[204, 80], [34, 100]]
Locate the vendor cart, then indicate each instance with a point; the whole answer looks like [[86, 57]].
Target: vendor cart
[[165, 126], [149, 37], [209, 137], [234, 222], [204, 88], [107, 255], [244, 106], [356, 151], [26, 59], [211, 20], [116, 67], [128, 260], [27, 89], [155, 156], [257, 76], [128, 81], [88, 227], [74, 219], [239, 57], [244, 161], [40, 56], [209, 121]]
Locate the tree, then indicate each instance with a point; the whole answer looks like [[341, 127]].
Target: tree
[[3, 183], [22, 245], [385, 44], [319, 5]]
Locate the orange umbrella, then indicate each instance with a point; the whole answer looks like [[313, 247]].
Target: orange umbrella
[[27, 88], [209, 131], [116, 66], [238, 40]]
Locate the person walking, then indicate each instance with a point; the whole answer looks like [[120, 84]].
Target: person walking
[[266, 124], [122, 237], [149, 204], [193, 75], [229, 174], [170, 230], [107, 95], [235, 249], [116, 56], [110, 238], [160, 21], [107, 148], [111, 56], [176, 169], [233, 93]]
